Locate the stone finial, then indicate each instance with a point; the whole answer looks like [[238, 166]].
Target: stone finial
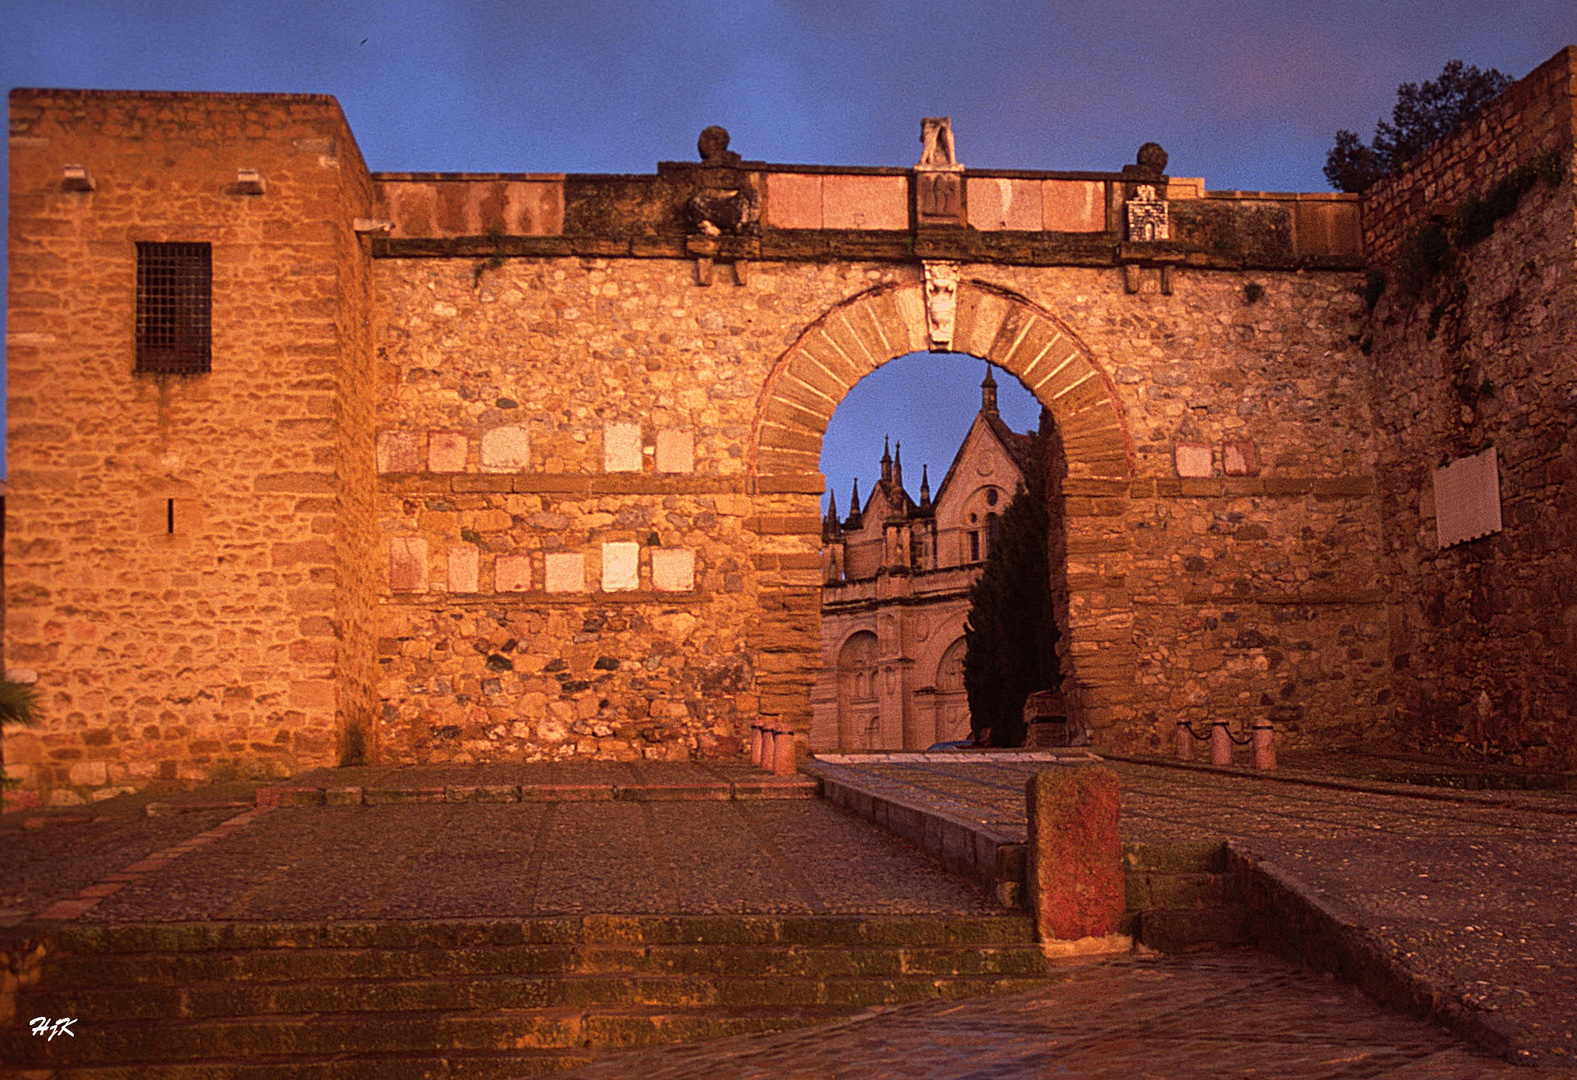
[[898, 465], [941, 303], [713, 147], [925, 487], [936, 142], [1148, 219], [1152, 159]]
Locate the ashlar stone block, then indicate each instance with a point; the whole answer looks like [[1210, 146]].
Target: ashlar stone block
[[397, 452], [1240, 457], [463, 566], [864, 202], [1073, 205], [621, 566], [505, 449], [407, 564], [566, 572], [1004, 203], [1193, 459], [446, 451], [676, 450], [621, 447], [512, 573], [673, 570], [793, 201]]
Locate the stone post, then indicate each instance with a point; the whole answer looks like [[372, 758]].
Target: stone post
[[1264, 744], [1075, 873], [1184, 741], [755, 745], [1220, 743], [783, 752]]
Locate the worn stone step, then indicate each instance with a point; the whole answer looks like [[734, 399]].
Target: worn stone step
[[1177, 930], [1176, 889], [804, 930], [1186, 856], [102, 971], [133, 1042], [467, 992], [480, 1065]]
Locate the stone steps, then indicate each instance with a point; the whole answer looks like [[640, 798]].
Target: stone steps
[[337, 1001], [1182, 897]]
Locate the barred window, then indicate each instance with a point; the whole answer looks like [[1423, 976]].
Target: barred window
[[174, 296]]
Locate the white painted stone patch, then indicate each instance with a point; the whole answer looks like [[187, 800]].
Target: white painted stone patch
[[621, 560], [621, 447], [505, 449], [673, 570], [566, 571]]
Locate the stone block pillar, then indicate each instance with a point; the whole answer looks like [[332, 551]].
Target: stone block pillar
[[1075, 874]]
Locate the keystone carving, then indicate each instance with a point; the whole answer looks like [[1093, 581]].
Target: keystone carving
[[726, 203], [941, 303]]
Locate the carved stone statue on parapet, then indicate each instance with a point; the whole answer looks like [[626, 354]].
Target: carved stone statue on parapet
[[727, 204], [936, 141], [939, 178], [713, 147]]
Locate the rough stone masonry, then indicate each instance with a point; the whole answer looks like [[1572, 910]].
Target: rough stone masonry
[[525, 466]]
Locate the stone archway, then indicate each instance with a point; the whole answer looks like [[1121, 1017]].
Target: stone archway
[[795, 406]]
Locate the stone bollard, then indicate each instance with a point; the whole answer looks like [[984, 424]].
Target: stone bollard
[[783, 752], [1264, 744], [1220, 743], [755, 745], [1076, 890], [1184, 742]]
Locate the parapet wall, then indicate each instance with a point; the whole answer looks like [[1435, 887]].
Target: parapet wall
[[1532, 117]]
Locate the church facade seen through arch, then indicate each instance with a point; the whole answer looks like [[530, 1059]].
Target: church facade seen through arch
[[895, 595]]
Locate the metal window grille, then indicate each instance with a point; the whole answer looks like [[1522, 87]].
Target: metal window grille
[[174, 300]]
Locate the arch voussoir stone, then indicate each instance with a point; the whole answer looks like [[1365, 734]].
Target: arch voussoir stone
[[849, 342]]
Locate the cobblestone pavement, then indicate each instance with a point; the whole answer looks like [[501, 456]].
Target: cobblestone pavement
[[455, 861], [1223, 1016], [1473, 890]]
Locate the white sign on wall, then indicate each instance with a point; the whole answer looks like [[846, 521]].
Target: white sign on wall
[[1467, 499]]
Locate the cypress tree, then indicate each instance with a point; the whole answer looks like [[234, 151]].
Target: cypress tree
[[1011, 632]]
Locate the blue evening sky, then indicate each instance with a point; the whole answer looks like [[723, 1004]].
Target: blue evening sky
[[1246, 93]]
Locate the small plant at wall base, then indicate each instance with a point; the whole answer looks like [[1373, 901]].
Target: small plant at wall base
[[1253, 292], [19, 707], [1011, 630]]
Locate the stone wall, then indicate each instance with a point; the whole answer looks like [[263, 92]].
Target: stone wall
[[1205, 595], [1531, 117], [1483, 634], [530, 470], [206, 650]]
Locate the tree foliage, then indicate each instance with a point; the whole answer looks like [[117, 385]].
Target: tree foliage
[[1011, 632], [19, 706], [1423, 113]]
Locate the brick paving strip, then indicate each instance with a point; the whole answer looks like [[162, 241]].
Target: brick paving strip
[[74, 906], [1224, 1015]]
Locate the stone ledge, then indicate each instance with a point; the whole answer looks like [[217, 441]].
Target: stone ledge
[[1288, 918], [748, 788]]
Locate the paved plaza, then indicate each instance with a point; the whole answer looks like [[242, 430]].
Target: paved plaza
[[1469, 890]]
